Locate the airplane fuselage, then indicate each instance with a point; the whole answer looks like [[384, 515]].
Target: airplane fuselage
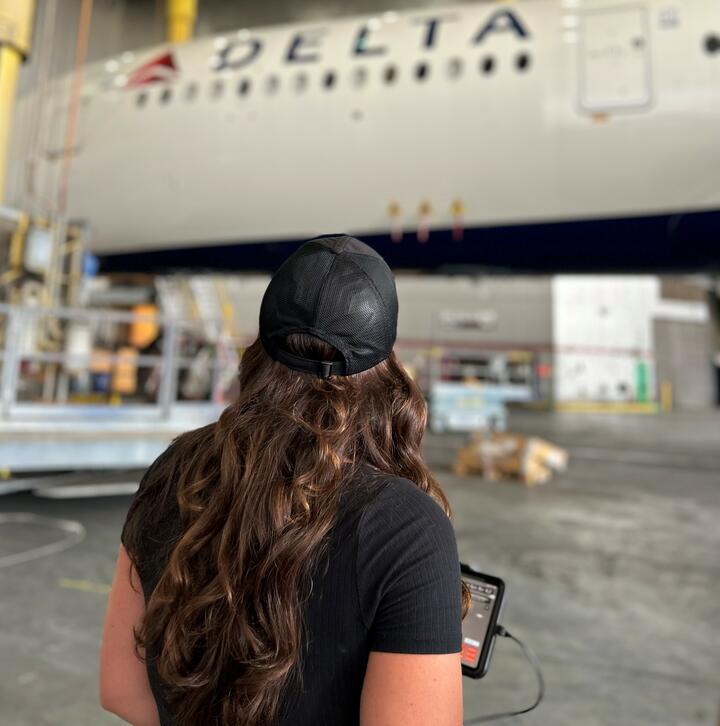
[[538, 134]]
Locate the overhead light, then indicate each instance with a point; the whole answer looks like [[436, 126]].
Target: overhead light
[[127, 57], [221, 43], [374, 23], [390, 16], [120, 80], [112, 66]]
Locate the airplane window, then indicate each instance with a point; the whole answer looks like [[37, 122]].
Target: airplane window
[[390, 74], [329, 80], [487, 64], [455, 67], [712, 44], [301, 82], [522, 62], [272, 84], [359, 76], [218, 87], [422, 70], [191, 91], [141, 99], [244, 87], [166, 95]]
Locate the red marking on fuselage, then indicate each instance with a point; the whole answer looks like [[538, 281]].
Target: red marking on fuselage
[[159, 69]]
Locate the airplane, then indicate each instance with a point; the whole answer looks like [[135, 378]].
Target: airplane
[[547, 135]]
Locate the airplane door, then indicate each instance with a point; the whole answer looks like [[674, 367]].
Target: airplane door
[[614, 62]]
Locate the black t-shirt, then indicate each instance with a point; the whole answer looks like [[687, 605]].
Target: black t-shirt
[[389, 581]]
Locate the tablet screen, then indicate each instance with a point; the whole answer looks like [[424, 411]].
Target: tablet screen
[[476, 622]]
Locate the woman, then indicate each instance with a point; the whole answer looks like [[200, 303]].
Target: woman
[[294, 563]]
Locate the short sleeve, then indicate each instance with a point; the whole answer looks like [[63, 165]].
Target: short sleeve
[[408, 573], [151, 522], [134, 507], [150, 490]]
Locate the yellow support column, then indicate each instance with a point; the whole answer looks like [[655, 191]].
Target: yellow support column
[[181, 16], [15, 32], [9, 65]]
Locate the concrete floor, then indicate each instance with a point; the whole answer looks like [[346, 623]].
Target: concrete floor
[[613, 574]]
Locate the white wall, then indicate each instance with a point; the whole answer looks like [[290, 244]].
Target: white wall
[[510, 311], [603, 331]]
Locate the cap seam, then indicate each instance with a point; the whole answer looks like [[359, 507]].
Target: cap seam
[[344, 251], [363, 254], [322, 291], [372, 282]]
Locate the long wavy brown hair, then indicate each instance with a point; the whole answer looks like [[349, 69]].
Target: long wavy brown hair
[[257, 494]]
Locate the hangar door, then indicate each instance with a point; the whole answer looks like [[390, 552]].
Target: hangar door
[[614, 58], [683, 351]]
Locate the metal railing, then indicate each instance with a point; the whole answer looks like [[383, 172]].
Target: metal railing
[[28, 342]]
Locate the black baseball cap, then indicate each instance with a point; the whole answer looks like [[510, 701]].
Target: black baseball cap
[[339, 290]]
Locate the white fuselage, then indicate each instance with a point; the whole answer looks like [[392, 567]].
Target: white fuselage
[[526, 112]]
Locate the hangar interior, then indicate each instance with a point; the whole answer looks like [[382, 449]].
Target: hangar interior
[[541, 177]]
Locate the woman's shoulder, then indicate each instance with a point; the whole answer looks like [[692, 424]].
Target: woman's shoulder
[[395, 504], [181, 449], [394, 495]]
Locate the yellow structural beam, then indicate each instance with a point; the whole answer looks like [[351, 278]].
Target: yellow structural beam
[[181, 16], [15, 33], [9, 66]]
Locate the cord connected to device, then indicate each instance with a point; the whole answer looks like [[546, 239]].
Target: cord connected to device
[[532, 659]]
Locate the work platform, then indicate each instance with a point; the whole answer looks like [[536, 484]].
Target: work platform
[[92, 439], [42, 427]]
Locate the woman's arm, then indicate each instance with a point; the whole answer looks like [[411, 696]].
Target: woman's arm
[[124, 686], [404, 689], [409, 589]]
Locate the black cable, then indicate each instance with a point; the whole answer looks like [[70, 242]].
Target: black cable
[[532, 659]]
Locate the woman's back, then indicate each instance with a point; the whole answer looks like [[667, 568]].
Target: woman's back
[[297, 556], [389, 582]]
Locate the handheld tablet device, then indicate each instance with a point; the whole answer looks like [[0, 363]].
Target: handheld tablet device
[[479, 626]]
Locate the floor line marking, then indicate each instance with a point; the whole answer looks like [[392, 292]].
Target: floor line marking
[[98, 588], [74, 533]]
